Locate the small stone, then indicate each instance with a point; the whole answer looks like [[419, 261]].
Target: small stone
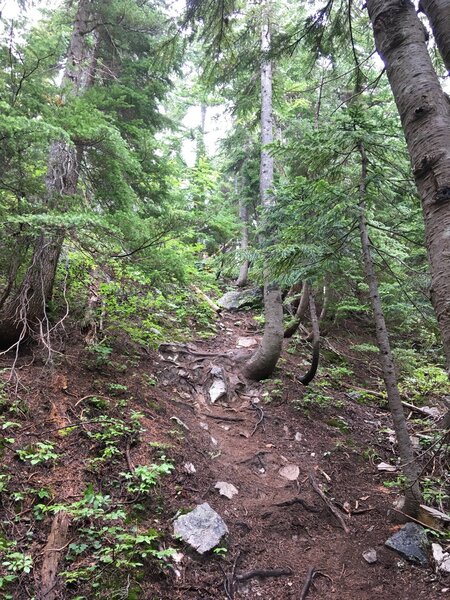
[[411, 542], [226, 489], [441, 558], [217, 390], [298, 436], [202, 528], [382, 466], [370, 556], [245, 342], [189, 468], [290, 472], [204, 425]]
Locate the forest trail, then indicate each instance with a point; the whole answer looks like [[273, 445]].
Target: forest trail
[[277, 523], [99, 418]]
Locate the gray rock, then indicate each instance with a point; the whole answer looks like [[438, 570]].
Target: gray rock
[[239, 299], [202, 528], [411, 542], [217, 390]]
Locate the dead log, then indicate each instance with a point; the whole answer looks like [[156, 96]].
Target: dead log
[[56, 542]]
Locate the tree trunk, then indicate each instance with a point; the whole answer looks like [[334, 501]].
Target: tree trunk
[[410, 466], [300, 312], [201, 146], [306, 379], [262, 364], [243, 215], [438, 13], [400, 39], [24, 310]]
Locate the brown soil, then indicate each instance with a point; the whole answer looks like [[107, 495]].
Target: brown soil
[[244, 440]]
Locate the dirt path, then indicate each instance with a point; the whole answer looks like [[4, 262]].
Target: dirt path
[[276, 523]]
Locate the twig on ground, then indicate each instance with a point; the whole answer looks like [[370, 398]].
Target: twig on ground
[[310, 575], [260, 411], [416, 520], [308, 581], [228, 582], [128, 457], [336, 512]]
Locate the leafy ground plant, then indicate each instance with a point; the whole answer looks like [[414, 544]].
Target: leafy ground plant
[[39, 453]]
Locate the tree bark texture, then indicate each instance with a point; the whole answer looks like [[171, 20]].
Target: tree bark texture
[[262, 364], [400, 39], [299, 313], [438, 14], [410, 466], [306, 379], [24, 310], [243, 215]]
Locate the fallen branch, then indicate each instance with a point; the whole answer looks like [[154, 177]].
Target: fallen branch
[[310, 575], [128, 458], [228, 581], [206, 298], [336, 512], [417, 409], [400, 512], [259, 410], [308, 581]]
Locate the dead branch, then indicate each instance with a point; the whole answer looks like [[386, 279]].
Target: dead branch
[[336, 512], [216, 308], [417, 409], [311, 574], [308, 581], [128, 457], [259, 410]]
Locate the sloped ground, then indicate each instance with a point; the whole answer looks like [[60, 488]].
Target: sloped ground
[[244, 439]]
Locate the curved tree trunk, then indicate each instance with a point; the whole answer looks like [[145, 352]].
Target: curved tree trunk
[[400, 39], [306, 379], [299, 313], [262, 364], [410, 466], [323, 312], [24, 310], [438, 13]]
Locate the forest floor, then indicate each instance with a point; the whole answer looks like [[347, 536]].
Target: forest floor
[[335, 435]]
